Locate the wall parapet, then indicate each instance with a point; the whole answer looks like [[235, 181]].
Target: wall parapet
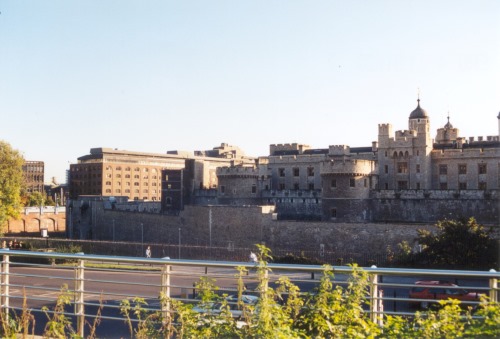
[[435, 194]]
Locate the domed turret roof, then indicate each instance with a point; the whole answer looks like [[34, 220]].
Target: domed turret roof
[[419, 112], [448, 124]]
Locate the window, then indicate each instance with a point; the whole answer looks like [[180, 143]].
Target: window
[[402, 185], [481, 168], [118, 190], [296, 186], [108, 183], [108, 175], [417, 169], [281, 172], [333, 184], [482, 186], [153, 184], [311, 186], [127, 183], [282, 186], [418, 185], [127, 191], [222, 189], [462, 169], [108, 168], [136, 191], [254, 189], [145, 190], [402, 167], [136, 183], [296, 172], [145, 170], [443, 186], [127, 176], [108, 190], [145, 177], [386, 186], [127, 169], [352, 182], [118, 175], [137, 169], [136, 176], [462, 185], [365, 182], [334, 212], [443, 169], [166, 178], [310, 171], [386, 169]]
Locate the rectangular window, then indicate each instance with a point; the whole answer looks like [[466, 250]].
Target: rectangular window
[[443, 169], [352, 182], [333, 183], [281, 172], [386, 169], [481, 168], [310, 171], [402, 167], [223, 189], [386, 186], [296, 186], [417, 169], [296, 172], [254, 189], [402, 185], [443, 186], [366, 183], [462, 169], [282, 186], [311, 186], [462, 185], [482, 186], [334, 212]]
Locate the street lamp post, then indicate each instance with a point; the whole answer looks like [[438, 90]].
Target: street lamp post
[[179, 242]]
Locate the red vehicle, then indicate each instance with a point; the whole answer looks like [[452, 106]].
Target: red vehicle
[[440, 290]]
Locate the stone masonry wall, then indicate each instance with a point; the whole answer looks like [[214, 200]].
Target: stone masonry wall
[[225, 226]]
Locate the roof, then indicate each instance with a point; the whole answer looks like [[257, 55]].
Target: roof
[[419, 112]]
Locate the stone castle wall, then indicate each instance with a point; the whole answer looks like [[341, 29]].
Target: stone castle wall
[[225, 226]]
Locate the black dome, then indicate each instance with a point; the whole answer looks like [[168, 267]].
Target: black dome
[[419, 112]]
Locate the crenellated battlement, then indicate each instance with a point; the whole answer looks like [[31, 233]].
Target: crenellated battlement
[[279, 148], [404, 134], [385, 129], [339, 150], [466, 152]]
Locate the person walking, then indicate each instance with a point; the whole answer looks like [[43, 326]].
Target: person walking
[[148, 252]]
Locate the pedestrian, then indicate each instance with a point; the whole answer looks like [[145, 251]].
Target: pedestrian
[[253, 257], [148, 252]]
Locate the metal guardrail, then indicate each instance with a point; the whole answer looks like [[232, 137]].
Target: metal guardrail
[[34, 277]]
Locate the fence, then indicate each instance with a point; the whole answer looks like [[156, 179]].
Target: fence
[[227, 253], [102, 282]]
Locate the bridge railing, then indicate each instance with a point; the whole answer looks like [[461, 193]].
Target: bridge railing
[[103, 282]]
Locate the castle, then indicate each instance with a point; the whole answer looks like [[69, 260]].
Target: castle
[[404, 176]]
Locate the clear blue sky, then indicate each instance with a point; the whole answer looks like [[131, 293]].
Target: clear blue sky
[[155, 76]]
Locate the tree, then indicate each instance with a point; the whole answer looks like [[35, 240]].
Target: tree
[[11, 182], [458, 244]]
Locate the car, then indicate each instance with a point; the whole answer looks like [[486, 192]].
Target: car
[[440, 290]]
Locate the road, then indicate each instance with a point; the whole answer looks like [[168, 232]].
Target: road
[[42, 286]]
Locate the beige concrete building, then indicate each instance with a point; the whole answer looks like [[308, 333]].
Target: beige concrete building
[[137, 175]]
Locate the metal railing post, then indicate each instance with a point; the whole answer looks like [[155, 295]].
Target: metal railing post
[[493, 290], [165, 293], [374, 300], [79, 298], [5, 286]]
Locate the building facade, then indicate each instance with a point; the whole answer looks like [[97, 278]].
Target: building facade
[[34, 173], [446, 176], [138, 175]]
